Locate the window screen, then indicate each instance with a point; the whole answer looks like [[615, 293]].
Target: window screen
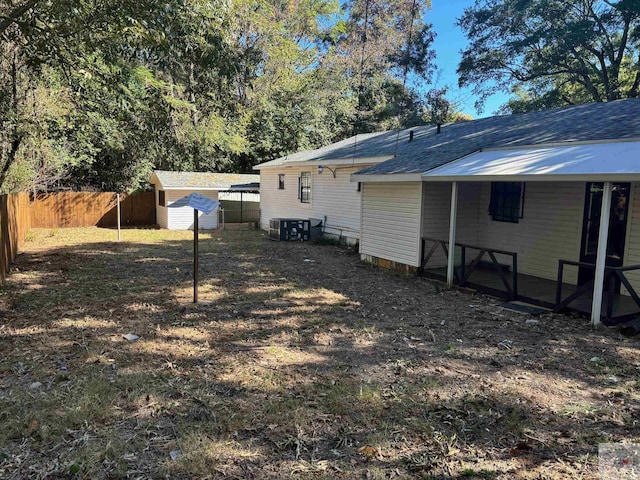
[[506, 201], [161, 199], [281, 181]]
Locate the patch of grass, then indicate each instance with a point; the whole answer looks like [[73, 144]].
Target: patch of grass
[[280, 371], [479, 474]]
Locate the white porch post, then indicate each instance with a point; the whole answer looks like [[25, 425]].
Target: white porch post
[[452, 234], [601, 258]]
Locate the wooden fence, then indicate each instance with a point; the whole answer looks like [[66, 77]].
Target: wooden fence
[[86, 209], [15, 222]]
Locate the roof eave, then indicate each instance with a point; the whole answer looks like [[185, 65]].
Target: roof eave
[[328, 161], [386, 177], [590, 177]]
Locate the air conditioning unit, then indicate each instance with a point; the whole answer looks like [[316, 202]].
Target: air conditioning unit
[[289, 229]]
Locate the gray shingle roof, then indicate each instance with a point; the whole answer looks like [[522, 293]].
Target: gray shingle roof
[[366, 145], [589, 122], [195, 180]]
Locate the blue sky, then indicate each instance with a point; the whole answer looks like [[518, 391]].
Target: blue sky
[[449, 41]]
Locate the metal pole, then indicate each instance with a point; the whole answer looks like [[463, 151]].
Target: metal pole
[[452, 234], [601, 258], [240, 207], [195, 256], [118, 214]]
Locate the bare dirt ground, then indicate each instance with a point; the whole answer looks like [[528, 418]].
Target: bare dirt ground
[[300, 362]]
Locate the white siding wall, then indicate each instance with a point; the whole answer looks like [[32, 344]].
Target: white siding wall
[[337, 199], [182, 218], [550, 229], [391, 223], [436, 207], [161, 212]]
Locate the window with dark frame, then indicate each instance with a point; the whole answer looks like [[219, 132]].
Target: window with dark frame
[[506, 201], [161, 199], [281, 181], [304, 192]]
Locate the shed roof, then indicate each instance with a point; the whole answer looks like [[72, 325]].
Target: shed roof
[[616, 161], [202, 180]]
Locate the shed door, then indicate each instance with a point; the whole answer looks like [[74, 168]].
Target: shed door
[[591, 226]]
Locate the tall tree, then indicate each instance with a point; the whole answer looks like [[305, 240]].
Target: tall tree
[[574, 50], [385, 48]]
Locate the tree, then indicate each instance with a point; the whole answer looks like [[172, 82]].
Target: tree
[[384, 48], [98, 94], [575, 50]]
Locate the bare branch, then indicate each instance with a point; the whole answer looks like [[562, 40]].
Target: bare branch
[[16, 14]]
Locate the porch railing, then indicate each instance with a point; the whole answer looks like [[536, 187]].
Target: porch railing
[[610, 276], [463, 271]]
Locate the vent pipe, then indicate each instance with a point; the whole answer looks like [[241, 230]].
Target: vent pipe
[[439, 128], [410, 135]]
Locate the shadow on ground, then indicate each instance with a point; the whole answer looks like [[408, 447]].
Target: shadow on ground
[[300, 362]]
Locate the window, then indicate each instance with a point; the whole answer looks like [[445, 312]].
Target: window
[[506, 201], [304, 190], [281, 181], [161, 199]]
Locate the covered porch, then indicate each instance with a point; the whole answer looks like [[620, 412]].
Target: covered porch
[[486, 274], [552, 226]]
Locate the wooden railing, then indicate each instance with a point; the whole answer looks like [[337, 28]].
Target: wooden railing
[[463, 272], [610, 276]]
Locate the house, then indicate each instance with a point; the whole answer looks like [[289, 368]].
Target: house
[[172, 186], [317, 183], [542, 206]]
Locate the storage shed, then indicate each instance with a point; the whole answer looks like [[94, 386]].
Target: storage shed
[[172, 186]]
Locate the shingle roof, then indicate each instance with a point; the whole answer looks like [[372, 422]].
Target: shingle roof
[[210, 180], [365, 145], [589, 122]]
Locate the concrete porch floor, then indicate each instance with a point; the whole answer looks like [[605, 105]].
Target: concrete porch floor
[[541, 291]]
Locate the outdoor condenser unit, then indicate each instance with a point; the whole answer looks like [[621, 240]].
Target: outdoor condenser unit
[[289, 229]]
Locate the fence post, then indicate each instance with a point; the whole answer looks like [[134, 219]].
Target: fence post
[[118, 214]]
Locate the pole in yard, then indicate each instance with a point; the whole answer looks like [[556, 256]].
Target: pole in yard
[[118, 214], [199, 203], [601, 257], [240, 207], [195, 256], [452, 234]]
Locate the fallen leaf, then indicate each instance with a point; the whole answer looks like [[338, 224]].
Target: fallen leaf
[[370, 452]]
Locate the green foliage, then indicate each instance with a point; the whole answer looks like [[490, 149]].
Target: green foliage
[[552, 51], [98, 95]]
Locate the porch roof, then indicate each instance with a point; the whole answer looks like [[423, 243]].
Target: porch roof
[[611, 161]]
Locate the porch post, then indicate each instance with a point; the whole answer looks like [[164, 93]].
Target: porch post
[[601, 258], [452, 234]]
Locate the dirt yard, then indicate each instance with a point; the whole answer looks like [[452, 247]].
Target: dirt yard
[[300, 362]]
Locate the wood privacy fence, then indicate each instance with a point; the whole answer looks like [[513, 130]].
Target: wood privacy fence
[[86, 209], [19, 213], [15, 222]]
